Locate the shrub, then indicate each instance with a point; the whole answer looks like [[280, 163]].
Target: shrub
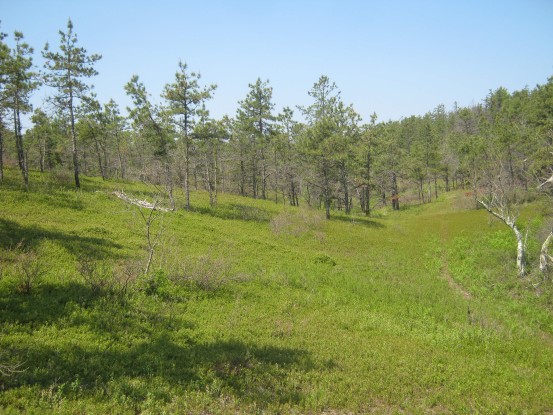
[[30, 268], [125, 274], [97, 275], [156, 283], [62, 177], [206, 272], [297, 224], [102, 277]]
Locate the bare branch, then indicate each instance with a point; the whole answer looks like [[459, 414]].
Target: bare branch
[[501, 214], [8, 369], [550, 180]]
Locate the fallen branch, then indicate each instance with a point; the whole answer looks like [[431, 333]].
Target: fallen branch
[[550, 180], [139, 203]]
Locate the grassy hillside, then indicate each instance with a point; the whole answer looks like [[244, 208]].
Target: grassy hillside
[[253, 307]]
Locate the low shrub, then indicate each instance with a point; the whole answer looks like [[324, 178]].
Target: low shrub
[[207, 272]]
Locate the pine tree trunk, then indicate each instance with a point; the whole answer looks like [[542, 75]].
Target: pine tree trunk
[[326, 190], [1, 152], [395, 193], [19, 145], [368, 188], [119, 156], [74, 142], [344, 182], [106, 159], [99, 154], [169, 183], [276, 177], [429, 187], [242, 178], [215, 172], [254, 176], [263, 175], [293, 195], [187, 172], [42, 150], [208, 180]]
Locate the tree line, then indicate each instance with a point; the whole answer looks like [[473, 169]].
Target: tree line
[[331, 159]]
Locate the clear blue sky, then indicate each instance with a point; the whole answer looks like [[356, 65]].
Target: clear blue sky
[[395, 58]]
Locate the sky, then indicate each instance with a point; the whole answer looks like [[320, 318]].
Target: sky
[[395, 58]]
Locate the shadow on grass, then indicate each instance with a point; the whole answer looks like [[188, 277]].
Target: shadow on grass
[[45, 305], [126, 347], [12, 233], [251, 373], [357, 220], [235, 211], [63, 200]]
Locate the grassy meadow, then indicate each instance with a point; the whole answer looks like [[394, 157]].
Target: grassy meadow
[[257, 307]]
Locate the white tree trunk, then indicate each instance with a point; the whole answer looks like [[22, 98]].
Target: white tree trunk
[[545, 259], [521, 251], [510, 221]]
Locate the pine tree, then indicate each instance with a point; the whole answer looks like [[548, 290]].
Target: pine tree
[[254, 120], [185, 97], [317, 141], [150, 121], [115, 131], [22, 81], [66, 72], [4, 58]]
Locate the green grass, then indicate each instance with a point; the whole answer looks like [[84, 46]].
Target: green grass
[[254, 307]]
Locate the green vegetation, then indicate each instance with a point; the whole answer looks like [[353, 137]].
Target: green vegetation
[[137, 277], [254, 307]]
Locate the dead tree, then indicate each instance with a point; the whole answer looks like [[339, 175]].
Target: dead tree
[[151, 238], [546, 260], [498, 203], [498, 207], [149, 213]]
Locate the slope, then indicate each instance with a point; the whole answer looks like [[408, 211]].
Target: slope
[[256, 307]]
